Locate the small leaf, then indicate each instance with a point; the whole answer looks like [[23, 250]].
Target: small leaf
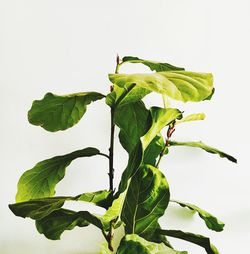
[[205, 147], [133, 244], [53, 225], [196, 239], [55, 112], [40, 181], [145, 202], [192, 117], [212, 222], [179, 85], [154, 66]]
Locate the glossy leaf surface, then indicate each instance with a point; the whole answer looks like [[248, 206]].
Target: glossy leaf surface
[[145, 202], [205, 147], [211, 221], [133, 244], [55, 112], [178, 85], [154, 66], [193, 238], [40, 181]]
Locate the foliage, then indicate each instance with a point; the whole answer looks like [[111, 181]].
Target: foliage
[[143, 194]]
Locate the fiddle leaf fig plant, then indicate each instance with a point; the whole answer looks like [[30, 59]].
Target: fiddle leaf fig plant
[[143, 194]]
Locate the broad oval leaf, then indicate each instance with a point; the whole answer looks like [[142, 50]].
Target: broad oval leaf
[[145, 202], [153, 65], [133, 244], [211, 221], [179, 85], [193, 238], [40, 181], [55, 112], [205, 147]]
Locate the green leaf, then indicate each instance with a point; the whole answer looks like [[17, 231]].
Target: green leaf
[[39, 208], [192, 117], [102, 198], [159, 119], [205, 147], [196, 239], [212, 222], [105, 249], [53, 225], [55, 112], [40, 181], [145, 202], [153, 150], [123, 96], [134, 125], [154, 66], [133, 244], [179, 85]]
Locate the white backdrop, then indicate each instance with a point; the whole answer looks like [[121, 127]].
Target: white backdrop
[[69, 46]]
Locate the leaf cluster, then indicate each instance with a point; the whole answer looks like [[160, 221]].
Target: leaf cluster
[[143, 194]]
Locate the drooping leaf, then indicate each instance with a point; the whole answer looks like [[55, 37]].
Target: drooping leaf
[[145, 202], [39, 208], [53, 225], [123, 96], [212, 222], [159, 119], [154, 66], [133, 244], [40, 181], [179, 85], [55, 112], [193, 238], [192, 117], [205, 147]]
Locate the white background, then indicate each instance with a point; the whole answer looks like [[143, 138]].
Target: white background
[[69, 46]]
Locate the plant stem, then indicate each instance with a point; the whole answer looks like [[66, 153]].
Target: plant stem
[[111, 152], [112, 134], [171, 129]]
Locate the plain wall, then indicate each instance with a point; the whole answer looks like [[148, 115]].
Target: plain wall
[[70, 46]]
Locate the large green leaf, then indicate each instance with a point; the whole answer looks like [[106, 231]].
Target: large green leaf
[[193, 238], [39, 208], [205, 147], [211, 221], [134, 244], [40, 181], [154, 66], [159, 119], [55, 112], [146, 200], [53, 225], [179, 85]]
